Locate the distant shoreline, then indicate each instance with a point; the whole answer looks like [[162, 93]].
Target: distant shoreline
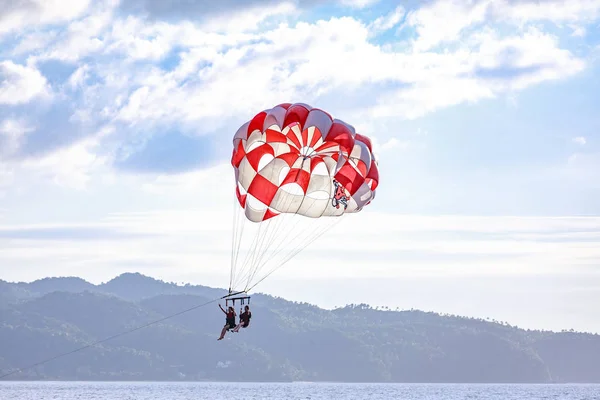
[[142, 382]]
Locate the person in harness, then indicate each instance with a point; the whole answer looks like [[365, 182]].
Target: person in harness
[[244, 319], [229, 320]]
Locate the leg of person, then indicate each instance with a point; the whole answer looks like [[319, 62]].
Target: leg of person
[[223, 332], [241, 325]]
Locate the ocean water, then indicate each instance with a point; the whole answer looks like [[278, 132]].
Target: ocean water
[[288, 391]]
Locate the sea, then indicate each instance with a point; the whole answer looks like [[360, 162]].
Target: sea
[[290, 391]]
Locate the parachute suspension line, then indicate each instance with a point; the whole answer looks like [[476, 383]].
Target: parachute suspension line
[[233, 240], [327, 228], [269, 242], [300, 244], [273, 236], [258, 253], [292, 229], [251, 249], [284, 237], [259, 248], [254, 246], [237, 238], [246, 269], [281, 221], [256, 266]]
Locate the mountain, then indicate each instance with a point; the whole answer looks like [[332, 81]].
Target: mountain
[[287, 341]]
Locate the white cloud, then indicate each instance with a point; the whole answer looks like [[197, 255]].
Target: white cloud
[[140, 41], [453, 77], [216, 82], [26, 14], [389, 144], [445, 21], [532, 49], [388, 21], [219, 75], [11, 134], [33, 41], [358, 3], [557, 11], [6, 179], [68, 167], [584, 167], [310, 60], [250, 19], [580, 140], [78, 78], [578, 31], [20, 84], [197, 243], [82, 37]]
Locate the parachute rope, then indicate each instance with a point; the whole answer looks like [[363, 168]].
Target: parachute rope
[[294, 253], [274, 236], [263, 255], [250, 268]]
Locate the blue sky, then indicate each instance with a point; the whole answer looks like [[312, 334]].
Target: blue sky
[[116, 121]]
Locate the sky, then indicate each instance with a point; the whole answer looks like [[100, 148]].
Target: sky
[[117, 120]]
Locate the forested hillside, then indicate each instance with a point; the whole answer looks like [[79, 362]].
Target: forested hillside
[[286, 340]]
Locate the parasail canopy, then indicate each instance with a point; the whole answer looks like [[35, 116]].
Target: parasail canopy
[[295, 166]]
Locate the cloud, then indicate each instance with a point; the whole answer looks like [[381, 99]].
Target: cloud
[[19, 14], [79, 39], [554, 10], [62, 233], [584, 167], [319, 61], [51, 127], [446, 21], [11, 135], [388, 21], [69, 167], [579, 140], [495, 65], [578, 31], [250, 19], [20, 84], [142, 79], [358, 3], [195, 242], [6, 179], [180, 9]]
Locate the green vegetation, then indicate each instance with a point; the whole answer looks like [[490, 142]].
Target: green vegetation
[[286, 340]]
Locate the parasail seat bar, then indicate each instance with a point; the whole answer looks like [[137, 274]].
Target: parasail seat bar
[[232, 297]]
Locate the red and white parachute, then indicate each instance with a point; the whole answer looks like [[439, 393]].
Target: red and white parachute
[[295, 168]]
